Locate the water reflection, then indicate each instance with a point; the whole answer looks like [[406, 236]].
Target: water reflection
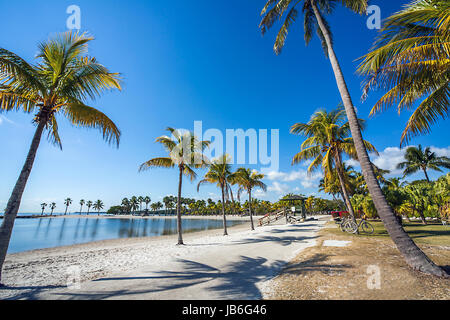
[[30, 234]]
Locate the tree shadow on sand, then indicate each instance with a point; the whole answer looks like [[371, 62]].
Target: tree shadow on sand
[[237, 280], [28, 292], [314, 264]]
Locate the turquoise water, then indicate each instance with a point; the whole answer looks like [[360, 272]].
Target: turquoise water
[[30, 234]]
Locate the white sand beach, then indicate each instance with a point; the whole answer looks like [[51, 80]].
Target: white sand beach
[[209, 266]]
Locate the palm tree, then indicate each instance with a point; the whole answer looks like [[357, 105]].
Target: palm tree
[[147, 201], [247, 181], [140, 200], [186, 153], [327, 138], [419, 159], [134, 203], [43, 205], [67, 202], [410, 60], [60, 83], [52, 207], [89, 205], [82, 203], [98, 205], [126, 204], [219, 174], [313, 12]]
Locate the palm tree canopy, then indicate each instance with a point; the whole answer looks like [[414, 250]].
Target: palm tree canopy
[[59, 84], [185, 151], [419, 159], [288, 11], [411, 61], [248, 180], [219, 172], [327, 135]]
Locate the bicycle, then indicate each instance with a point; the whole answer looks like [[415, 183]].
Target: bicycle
[[353, 227]]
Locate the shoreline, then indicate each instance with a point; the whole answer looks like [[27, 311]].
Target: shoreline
[[31, 273], [94, 216]]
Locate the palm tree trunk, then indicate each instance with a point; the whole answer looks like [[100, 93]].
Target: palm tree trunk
[[179, 225], [344, 189], [250, 209], [225, 231], [413, 255], [426, 174], [13, 205]]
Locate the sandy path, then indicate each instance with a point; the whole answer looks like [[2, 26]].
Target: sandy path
[[210, 266]]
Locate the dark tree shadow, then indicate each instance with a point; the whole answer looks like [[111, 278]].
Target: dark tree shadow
[[236, 281], [316, 263], [31, 292]]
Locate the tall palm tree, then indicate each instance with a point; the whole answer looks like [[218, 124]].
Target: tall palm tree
[[314, 12], [67, 202], [419, 159], [141, 200], [89, 205], [43, 206], [82, 203], [247, 181], [60, 83], [52, 207], [186, 153], [219, 174], [126, 204], [98, 205], [134, 203], [327, 139], [410, 59], [147, 201]]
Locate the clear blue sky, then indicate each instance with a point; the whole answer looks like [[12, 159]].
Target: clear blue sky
[[184, 61]]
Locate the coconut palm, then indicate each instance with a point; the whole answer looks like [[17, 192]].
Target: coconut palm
[[43, 206], [418, 159], [327, 139], [98, 205], [52, 207], [141, 201], [82, 203], [89, 205], [314, 12], [219, 174], [410, 60], [134, 203], [186, 153], [126, 204], [247, 181], [147, 201], [67, 203], [59, 84]]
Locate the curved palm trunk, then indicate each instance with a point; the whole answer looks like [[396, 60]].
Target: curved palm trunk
[[14, 201], [250, 209], [179, 225], [65, 213], [225, 231], [426, 174], [344, 189], [410, 251]]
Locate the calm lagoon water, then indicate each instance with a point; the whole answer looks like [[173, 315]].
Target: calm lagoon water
[[30, 234]]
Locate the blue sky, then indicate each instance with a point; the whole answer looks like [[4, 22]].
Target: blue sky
[[184, 62]]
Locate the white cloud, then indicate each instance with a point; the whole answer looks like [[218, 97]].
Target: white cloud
[[278, 188], [5, 119], [294, 176], [389, 158]]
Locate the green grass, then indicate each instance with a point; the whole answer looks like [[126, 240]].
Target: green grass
[[431, 234]]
